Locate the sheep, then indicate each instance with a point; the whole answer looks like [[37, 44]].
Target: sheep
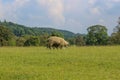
[[56, 42]]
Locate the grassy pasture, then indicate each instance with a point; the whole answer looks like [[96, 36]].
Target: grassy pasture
[[73, 63]]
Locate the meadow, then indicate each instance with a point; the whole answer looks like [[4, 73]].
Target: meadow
[[73, 63]]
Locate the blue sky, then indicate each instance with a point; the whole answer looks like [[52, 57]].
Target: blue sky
[[72, 15]]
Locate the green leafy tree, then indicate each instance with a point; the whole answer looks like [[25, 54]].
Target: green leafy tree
[[32, 41], [6, 37], [71, 41], [57, 33], [97, 35], [115, 37], [80, 41], [20, 41], [43, 39]]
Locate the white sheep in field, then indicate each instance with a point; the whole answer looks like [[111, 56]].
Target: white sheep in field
[[56, 42]]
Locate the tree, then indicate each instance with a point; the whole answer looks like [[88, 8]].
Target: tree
[[20, 41], [57, 33], [97, 35], [79, 41], [6, 37], [43, 39], [32, 41], [115, 37], [71, 41]]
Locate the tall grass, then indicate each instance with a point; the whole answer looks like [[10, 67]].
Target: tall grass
[[73, 63]]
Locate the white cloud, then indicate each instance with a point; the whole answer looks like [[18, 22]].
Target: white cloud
[[16, 5], [72, 22], [9, 10], [92, 2], [64, 13], [95, 11], [74, 25], [115, 0], [111, 3], [101, 20], [55, 10], [19, 3]]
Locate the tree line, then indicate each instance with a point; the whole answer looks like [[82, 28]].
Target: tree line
[[96, 35]]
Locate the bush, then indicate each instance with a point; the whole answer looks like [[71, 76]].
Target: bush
[[32, 41]]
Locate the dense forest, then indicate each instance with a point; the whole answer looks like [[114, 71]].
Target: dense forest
[[20, 30], [12, 34]]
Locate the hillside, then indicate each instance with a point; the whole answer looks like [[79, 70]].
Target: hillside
[[20, 30]]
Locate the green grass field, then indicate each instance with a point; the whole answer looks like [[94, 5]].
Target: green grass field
[[73, 63]]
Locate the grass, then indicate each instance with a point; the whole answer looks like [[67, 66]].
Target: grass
[[73, 63]]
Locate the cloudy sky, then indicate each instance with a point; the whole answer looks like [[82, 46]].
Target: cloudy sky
[[73, 15]]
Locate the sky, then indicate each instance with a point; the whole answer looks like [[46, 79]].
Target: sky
[[72, 15]]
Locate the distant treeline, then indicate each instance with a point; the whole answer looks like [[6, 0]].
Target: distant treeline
[[12, 34]]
